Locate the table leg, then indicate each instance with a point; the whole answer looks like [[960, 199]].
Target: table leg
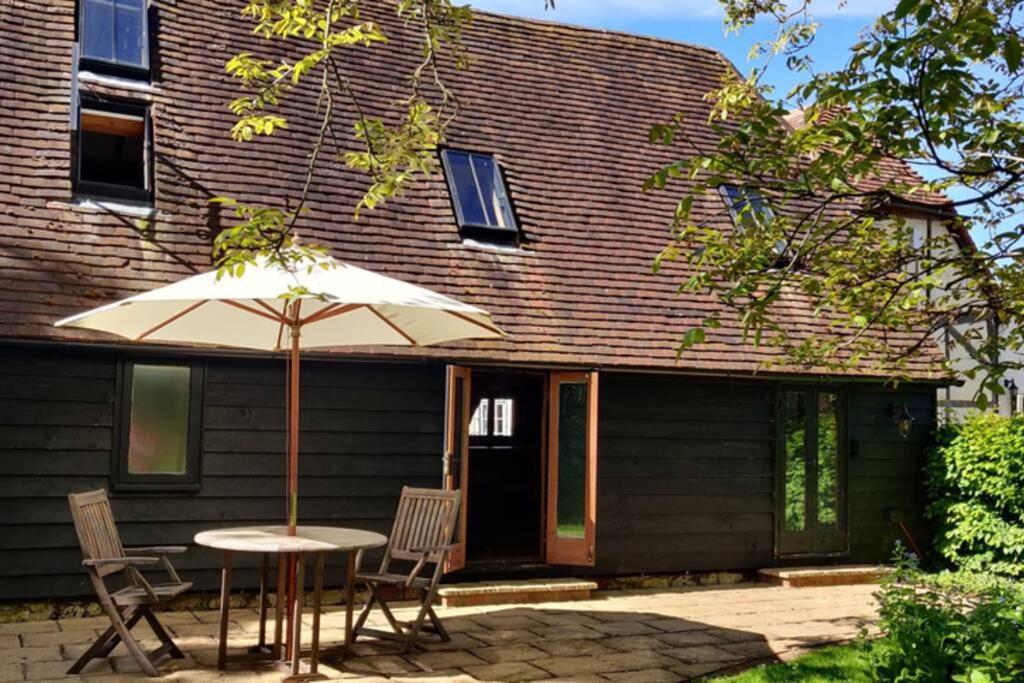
[[279, 606], [296, 640], [225, 610], [261, 645], [318, 587], [350, 594]]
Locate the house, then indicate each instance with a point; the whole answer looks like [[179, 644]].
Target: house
[[116, 138]]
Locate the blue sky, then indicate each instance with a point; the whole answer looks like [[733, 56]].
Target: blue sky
[[700, 21]]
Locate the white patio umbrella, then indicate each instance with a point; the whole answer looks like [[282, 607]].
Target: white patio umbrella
[[271, 308]]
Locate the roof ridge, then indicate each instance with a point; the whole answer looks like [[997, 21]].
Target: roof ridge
[[580, 28]]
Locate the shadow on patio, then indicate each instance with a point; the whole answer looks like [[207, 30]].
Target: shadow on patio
[[636, 636]]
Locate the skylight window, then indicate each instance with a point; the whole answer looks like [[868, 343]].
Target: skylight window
[[746, 205], [114, 35], [478, 193], [750, 210]]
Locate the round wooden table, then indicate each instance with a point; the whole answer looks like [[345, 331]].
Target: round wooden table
[[274, 540]]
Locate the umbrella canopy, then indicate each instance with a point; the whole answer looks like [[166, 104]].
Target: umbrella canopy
[[337, 305], [269, 307]]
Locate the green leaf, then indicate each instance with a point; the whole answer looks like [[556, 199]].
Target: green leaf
[[1012, 53], [905, 7]]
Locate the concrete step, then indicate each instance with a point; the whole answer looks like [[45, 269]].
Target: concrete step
[[509, 592], [831, 575]]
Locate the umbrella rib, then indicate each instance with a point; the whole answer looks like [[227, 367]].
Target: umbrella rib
[[255, 311], [280, 328], [476, 322], [330, 312], [393, 326], [273, 311], [185, 311]]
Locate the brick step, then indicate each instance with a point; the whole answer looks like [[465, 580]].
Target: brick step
[[834, 575], [509, 592]]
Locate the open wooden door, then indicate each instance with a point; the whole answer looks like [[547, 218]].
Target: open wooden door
[[572, 468], [456, 454]]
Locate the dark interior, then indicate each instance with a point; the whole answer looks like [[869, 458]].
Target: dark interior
[[504, 512]]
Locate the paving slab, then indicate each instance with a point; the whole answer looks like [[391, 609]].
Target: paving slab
[[650, 635]]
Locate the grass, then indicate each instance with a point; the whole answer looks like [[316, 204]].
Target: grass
[[827, 665]]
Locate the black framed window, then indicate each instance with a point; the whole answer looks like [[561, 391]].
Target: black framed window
[[746, 205], [479, 195], [113, 150], [160, 423], [750, 210], [114, 36]]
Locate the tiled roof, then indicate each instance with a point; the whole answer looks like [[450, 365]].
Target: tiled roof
[[890, 169], [566, 111]]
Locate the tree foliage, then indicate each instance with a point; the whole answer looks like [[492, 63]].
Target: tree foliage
[[393, 147], [934, 83], [976, 487]]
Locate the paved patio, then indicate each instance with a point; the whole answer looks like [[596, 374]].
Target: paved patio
[[636, 636]]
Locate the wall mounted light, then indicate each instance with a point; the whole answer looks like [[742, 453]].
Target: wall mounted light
[[903, 419]]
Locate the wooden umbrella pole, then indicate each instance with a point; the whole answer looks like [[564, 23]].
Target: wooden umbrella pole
[[293, 480], [293, 435]]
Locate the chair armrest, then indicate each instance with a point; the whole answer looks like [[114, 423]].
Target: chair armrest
[[426, 551], [158, 550], [432, 548], [130, 561]]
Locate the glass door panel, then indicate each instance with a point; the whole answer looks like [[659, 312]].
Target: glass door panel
[[812, 472], [572, 468]]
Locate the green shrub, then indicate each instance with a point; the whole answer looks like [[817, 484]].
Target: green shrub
[[976, 485], [952, 627]]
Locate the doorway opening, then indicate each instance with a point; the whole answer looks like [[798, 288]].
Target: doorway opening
[[506, 438]]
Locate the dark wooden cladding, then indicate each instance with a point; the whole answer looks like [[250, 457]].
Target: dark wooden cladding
[[686, 466], [367, 430], [686, 473]]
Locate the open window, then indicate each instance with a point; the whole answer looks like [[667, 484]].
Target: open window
[[114, 36], [113, 151], [479, 196], [160, 422], [572, 468]]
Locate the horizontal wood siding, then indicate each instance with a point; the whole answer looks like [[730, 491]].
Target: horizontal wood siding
[[367, 430], [685, 465], [684, 474], [886, 474]]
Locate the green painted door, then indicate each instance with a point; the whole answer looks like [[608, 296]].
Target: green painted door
[[811, 472]]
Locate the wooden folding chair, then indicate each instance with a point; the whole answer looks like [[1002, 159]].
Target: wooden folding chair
[[103, 555], [422, 534]]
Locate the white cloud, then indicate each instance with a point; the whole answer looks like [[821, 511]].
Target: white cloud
[[618, 11]]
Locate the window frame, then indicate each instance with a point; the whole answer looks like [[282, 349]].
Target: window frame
[[745, 191], [113, 67], [111, 191], [490, 233], [121, 478]]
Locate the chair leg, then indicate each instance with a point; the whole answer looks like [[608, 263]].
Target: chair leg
[[123, 630], [414, 629], [105, 644], [161, 633], [395, 626], [365, 612], [439, 628]]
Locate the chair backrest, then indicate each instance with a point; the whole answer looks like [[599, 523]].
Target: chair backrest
[[426, 518], [97, 532]]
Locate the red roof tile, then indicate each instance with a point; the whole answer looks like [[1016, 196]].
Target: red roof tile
[[566, 110]]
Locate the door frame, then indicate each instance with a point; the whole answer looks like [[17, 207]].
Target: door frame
[[811, 489], [453, 374], [560, 550]]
